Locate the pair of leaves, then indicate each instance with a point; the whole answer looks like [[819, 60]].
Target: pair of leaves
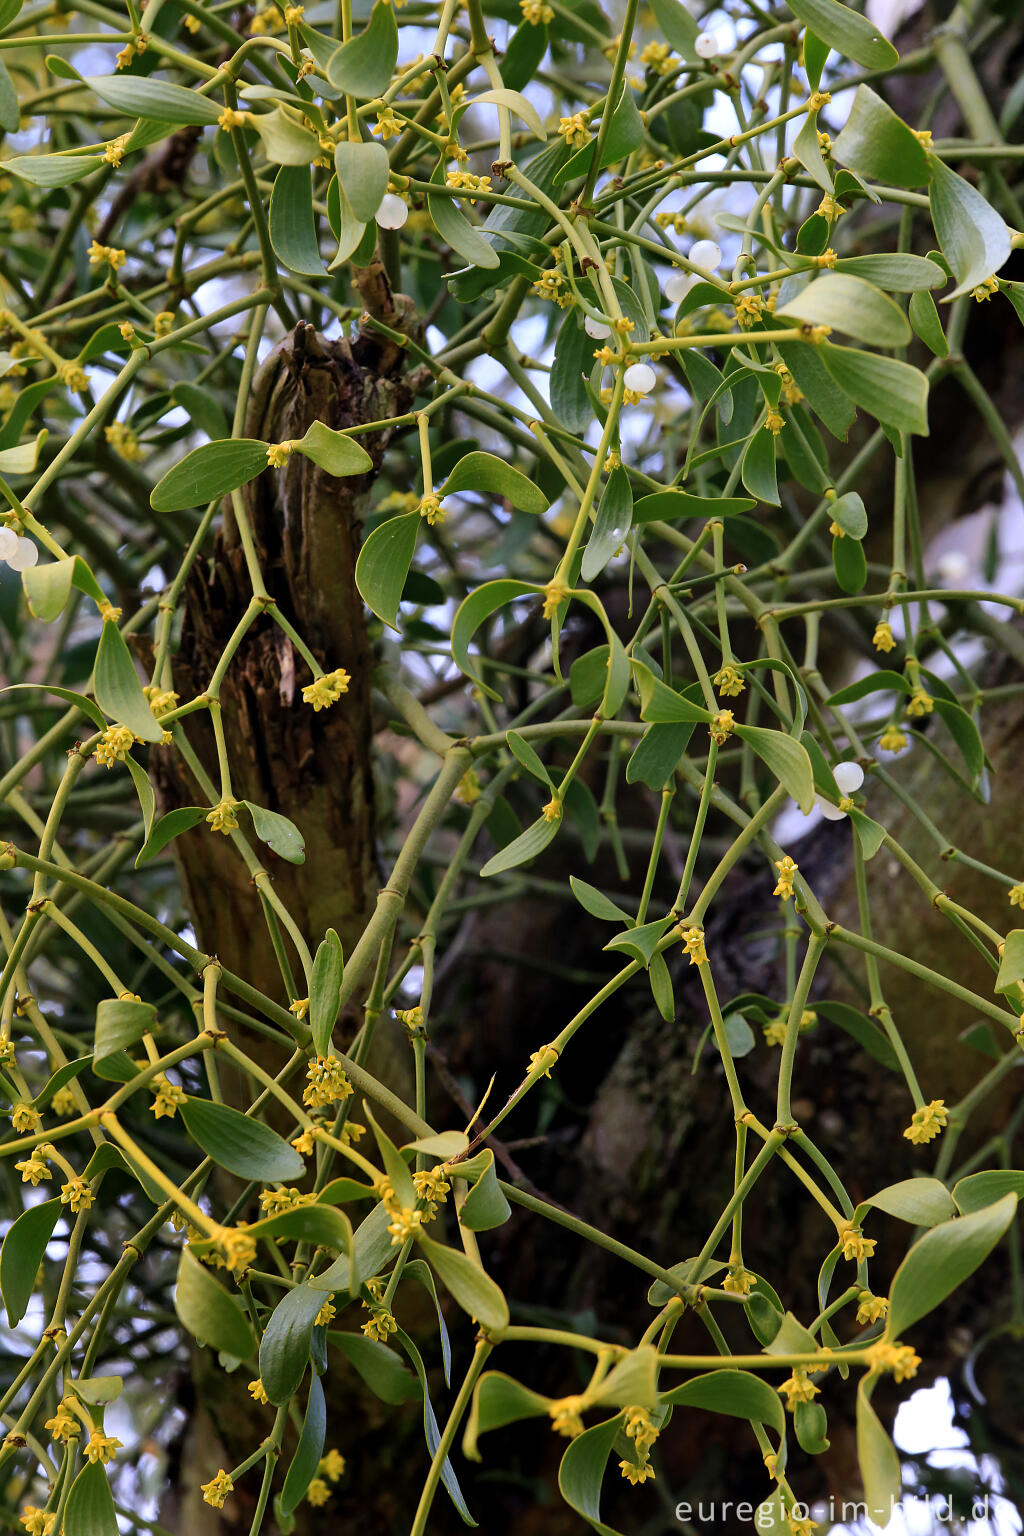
[[214, 469], [277, 831]]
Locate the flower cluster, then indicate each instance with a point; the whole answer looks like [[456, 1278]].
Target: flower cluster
[[787, 869], [215, 1492], [327, 689], [798, 1388], [927, 1122], [566, 1415], [326, 1082], [168, 1097], [114, 745], [693, 942]]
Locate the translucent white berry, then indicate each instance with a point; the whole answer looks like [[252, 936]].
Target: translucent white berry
[[706, 255], [24, 557], [706, 45], [8, 543], [393, 211], [641, 377], [953, 567], [597, 329], [677, 286], [828, 810], [849, 777]]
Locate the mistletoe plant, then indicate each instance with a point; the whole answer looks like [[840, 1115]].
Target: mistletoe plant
[[594, 303]]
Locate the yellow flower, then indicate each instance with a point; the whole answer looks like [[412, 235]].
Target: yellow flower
[[798, 1389], [114, 152], [332, 1465], [892, 739], [774, 423], [693, 942], [883, 638], [77, 1194], [222, 818], [639, 1428], [380, 1326], [729, 681], [1016, 895], [299, 1006], [465, 180], [293, 15], [552, 811], [405, 1223], [928, 1122], [872, 1309], [536, 12], [34, 1169], [37, 1522], [161, 700], [855, 1245], [468, 788], [64, 1425], [25, 1118], [634, 1474], [326, 690], [722, 726], [328, 1312], [389, 124], [749, 308], [567, 1416], [163, 323], [100, 255], [799, 1526], [257, 1391], [829, 208], [124, 441], [551, 286], [74, 376], [920, 703], [101, 1447], [739, 1281], [317, 1493], [430, 508], [412, 1018], [985, 290], [399, 501], [304, 1144], [555, 594], [168, 1097], [575, 130], [431, 1186], [900, 1359], [238, 1249], [114, 745], [326, 1082], [775, 1032], [217, 1489], [545, 1058], [278, 454], [787, 868]]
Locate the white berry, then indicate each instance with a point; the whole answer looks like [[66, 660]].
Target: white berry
[[706, 45], [677, 286], [8, 543], [828, 810], [706, 255], [24, 557], [393, 211], [849, 777], [641, 377], [596, 328]]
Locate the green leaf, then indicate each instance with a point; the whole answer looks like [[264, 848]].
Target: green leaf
[[293, 222], [491, 475], [209, 472], [52, 170], [823, 396], [363, 66], [99, 1389], [284, 1348], [660, 978], [979, 1190], [924, 317], [870, 834], [453, 226], [117, 688], [431, 1432], [10, 115], [786, 759], [395, 1166], [758, 471], [525, 754], [611, 525], [363, 177], [90, 1508], [847, 32], [571, 367], [877, 144], [659, 702], [523, 848], [241, 1144], [850, 564], [973, 237], [862, 1029], [383, 565], [641, 942], [849, 304], [60, 1079], [667, 506], [203, 410], [324, 988], [965, 733], [472, 612], [676, 25], [582, 1469], [738, 1393], [310, 1448], [485, 1207], [142, 96], [498, 1400], [22, 1253], [924, 1202], [657, 755], [893, 392], [596, 903], [879, 1463], [380, 1367], [475, 1292], [633, 1380], [883, 681], [894, 271], [851, 514], [170, 826], [625, 133], [1011, 961], [515, 102], [445, 1144], [120, 1023], [279, 834], [420, 1271], [209, 1313], [941, 1261], [47, 588], [815, 54], [285, 139], [807, 149], [22, 458]]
